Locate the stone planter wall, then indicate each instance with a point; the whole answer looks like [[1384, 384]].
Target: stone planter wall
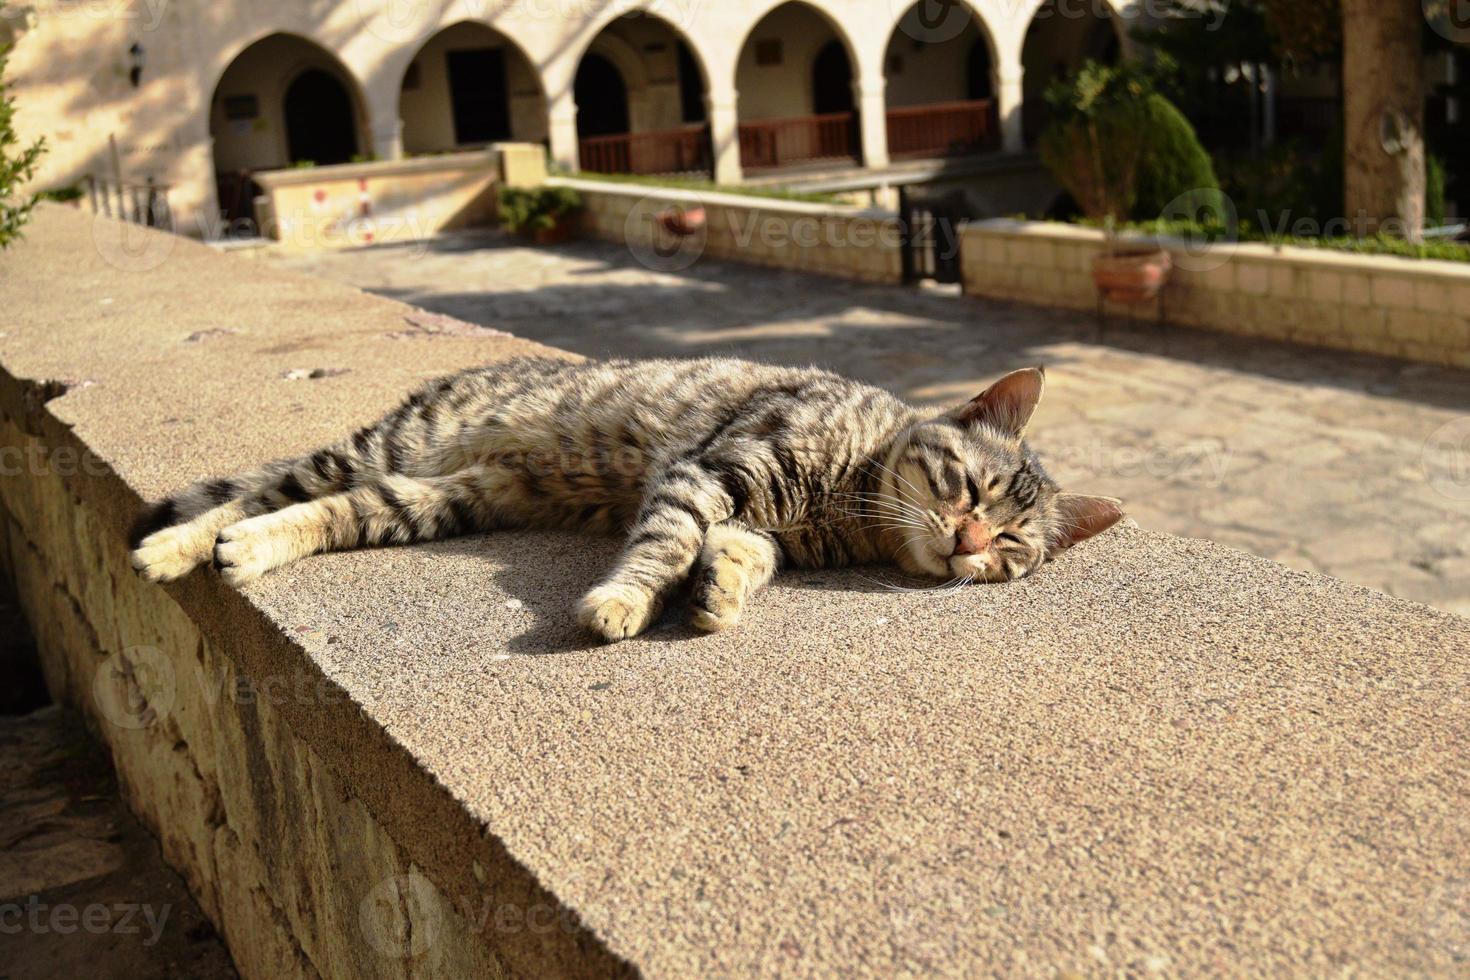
[[1415, 309]]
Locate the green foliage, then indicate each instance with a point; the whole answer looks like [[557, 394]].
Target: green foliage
[[63, 195], [1434, 195], [1118, 146], [1173, 162], [527, 210], [16, 166]]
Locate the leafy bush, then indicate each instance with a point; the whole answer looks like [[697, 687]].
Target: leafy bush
[[1434, 194], [524, 210], [1173, 163], [16, 167], [1119, 147]]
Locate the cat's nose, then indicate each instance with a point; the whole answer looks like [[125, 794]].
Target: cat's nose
[[972, 538]]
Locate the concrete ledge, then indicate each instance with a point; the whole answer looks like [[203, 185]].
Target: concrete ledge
[[1158, 755], [832, 239], [1410, 308]]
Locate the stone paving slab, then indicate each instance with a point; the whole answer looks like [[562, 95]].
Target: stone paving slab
[[1159, 756], [1310, 457]]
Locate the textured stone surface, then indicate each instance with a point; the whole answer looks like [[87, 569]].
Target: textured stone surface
[[1159, 755]]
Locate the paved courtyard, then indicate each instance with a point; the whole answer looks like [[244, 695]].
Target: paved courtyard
[[1349, 465]]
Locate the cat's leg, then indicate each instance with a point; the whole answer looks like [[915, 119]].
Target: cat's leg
[[392, 509], [735, 562], [679, 505], [178, 534]]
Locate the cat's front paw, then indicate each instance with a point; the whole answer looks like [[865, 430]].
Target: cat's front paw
[[242, 555], [171, 553], [719, 595], [616, 612]]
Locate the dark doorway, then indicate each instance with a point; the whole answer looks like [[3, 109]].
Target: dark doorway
[[979, 83], [832, 80], [478, 93], [320, 119], [691, 86], [602, 98]]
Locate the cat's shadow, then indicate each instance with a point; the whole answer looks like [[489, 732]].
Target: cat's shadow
[[546, 572]]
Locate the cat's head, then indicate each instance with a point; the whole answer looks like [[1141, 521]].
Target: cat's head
[[966, 497]]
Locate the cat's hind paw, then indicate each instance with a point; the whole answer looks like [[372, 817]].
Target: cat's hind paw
[[170, 553], [616, 612]]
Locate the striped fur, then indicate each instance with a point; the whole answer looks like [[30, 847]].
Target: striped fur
[[717, 471]]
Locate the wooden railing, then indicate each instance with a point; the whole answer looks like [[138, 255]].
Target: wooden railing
[[667, 151], [786, 142], [941, 129], [143, 204]]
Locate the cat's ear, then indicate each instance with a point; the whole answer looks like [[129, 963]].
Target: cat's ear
[[1006, 405], [1079, 517]]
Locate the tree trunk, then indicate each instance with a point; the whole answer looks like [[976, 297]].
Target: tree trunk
[[1383, 108]]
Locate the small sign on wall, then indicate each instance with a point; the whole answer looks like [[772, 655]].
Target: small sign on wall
[[241, 107]]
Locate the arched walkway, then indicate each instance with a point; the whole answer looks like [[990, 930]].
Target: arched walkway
[[470, 85], [283, 101], [640, 95], [1060, 39], [940, 74], [795, 76]]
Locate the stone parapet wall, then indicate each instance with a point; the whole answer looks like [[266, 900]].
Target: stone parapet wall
[[836, 240], [1414, 309]]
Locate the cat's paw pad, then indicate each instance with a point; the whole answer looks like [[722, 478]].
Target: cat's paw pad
[[616, 612], [242, 556], [169, 554], [719, 596]]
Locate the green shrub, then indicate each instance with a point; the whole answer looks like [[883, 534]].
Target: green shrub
[[1434, 197], [524, 210], [1173, 162], [1119, 147], [16, 167]]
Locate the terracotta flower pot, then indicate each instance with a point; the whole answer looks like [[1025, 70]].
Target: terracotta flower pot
[[1133, 276], [682, 222], [555, 235]]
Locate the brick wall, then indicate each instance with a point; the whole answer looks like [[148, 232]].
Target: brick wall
[[1410, 308], [835, 240]]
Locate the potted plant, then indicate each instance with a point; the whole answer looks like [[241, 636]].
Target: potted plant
[[1094, 148], [682, 222], [545, 214]]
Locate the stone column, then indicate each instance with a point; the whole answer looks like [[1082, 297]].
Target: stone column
[[872, 106], [562, 131], [1009, 94], [724, 131], [387, 135]]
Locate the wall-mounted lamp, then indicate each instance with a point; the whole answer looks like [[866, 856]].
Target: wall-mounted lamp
[[135, 64]]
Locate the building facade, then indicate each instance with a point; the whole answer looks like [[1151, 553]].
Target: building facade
[[197, 95]]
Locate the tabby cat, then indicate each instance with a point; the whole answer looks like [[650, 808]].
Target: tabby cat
[[717, 469]]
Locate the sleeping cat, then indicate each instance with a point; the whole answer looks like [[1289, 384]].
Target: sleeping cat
[[717, 469]]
